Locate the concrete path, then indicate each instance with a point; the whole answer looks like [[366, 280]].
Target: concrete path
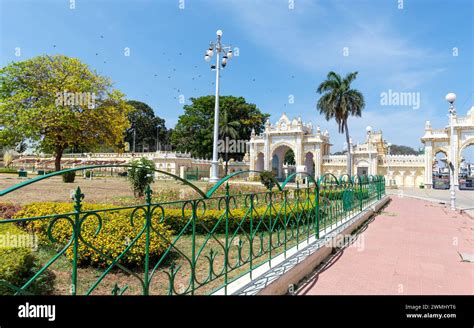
[[464, 198], [410, 249]]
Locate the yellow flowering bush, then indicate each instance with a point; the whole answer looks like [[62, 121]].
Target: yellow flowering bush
[[101, 246], [100, 243], [18, 263]]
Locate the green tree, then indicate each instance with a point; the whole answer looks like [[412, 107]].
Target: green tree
[[290, 157], [403, 150], [194, 130], [148, 127], [227, 129], [267, 179], [59, 102], [140, 175], [339, 101]]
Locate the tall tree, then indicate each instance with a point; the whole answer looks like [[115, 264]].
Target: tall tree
[[290, 157], [227, 129], [58, 102], [194, 130], [339, 101], [150, 129]]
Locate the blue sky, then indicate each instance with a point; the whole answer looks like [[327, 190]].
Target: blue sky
[[283, 52]]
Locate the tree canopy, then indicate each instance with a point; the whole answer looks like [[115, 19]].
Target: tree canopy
[[194, 130], [148, 128], [339, 101], [403, 150], [59, 102]]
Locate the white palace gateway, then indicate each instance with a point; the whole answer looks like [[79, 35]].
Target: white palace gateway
[[312, 152]]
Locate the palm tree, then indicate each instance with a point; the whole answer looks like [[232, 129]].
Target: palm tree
[[339, 101], [227, 128]]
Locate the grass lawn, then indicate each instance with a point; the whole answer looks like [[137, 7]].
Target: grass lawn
[[98, 190]]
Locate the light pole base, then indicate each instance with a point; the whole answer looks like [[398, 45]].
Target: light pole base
[[214, 172]]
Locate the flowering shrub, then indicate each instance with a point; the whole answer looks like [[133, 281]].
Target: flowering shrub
[[100, 244], [18, 264], [8, 210]]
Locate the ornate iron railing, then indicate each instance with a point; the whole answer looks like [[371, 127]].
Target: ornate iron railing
[[192, 246]]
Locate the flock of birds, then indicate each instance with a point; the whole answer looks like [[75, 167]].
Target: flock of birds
[[170, 76]]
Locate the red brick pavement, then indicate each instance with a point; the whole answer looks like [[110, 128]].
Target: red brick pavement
[[410, 249]]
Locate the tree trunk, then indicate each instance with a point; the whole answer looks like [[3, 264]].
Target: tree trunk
[[349, 155], [57, 159]]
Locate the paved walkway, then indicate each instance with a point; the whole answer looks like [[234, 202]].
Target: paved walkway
[[410, 249], [464, 198]]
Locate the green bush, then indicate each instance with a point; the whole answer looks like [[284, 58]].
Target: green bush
[[69, 177], [18, 265], [112, 240], [140, 175], [177, 219], [267, 179], [8, 170], [337, 194]]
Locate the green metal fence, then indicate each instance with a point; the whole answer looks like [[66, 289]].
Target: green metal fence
[[196, 174], [193, 246]]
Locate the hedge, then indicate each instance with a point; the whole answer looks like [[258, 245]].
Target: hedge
[[69, 177], [8, 170], [18, 264], [116, 228], [177, 219], [114, 237], [337, 193]]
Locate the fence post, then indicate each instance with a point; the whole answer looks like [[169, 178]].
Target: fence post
[[285, 204], [380, 187], [146, 285], [317, 209], [270, 232], [226, 249], [251, 234], [193, 246], [77, 198]]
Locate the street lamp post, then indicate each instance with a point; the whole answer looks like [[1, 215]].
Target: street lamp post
[[226, 52], [369, 132], [388, 163], [451, 97]]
